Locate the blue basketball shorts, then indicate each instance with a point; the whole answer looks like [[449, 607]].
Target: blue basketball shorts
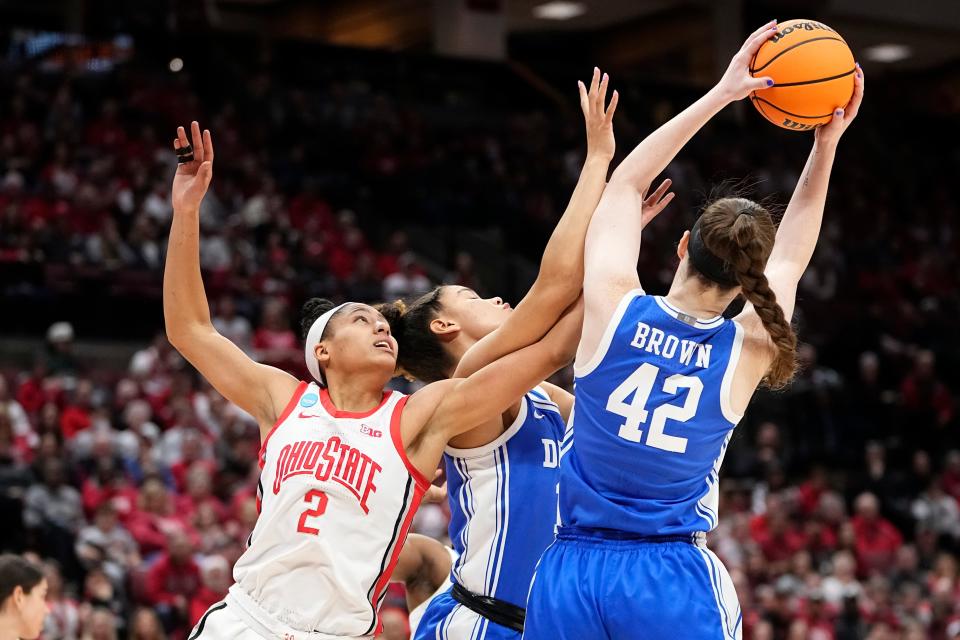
[[447, 619], [592, 586]]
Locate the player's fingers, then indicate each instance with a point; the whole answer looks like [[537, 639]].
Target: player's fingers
[[649, 213], [207, 145], [584, 100], [594, 82], [662, 204], [772, 25], [761, 83], [602, 93], [197, 141], [182, 136], [853, 107], [658, 193], [176, 143], [755, 42], [612, 108]]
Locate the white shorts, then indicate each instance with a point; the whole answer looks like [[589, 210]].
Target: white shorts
[[221, 622], [229, 620]]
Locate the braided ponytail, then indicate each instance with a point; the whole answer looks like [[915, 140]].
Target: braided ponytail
[[741, 233]]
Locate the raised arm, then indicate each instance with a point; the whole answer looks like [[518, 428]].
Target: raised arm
[[259, 390], [800, 227], [561, 269], [613, 239]]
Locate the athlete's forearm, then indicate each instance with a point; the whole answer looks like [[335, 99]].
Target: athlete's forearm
[[652, 156], [185, 304], [800, 227]]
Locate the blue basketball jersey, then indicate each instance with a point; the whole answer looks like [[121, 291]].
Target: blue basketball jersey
[[503, 502], [653, 420]]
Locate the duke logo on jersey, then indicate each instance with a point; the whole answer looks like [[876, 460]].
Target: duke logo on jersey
[[639, 484]]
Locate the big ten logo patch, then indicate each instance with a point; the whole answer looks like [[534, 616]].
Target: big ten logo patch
[[551, 453], [370, 431]]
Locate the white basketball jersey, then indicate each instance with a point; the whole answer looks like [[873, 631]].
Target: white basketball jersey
[[337, 495]]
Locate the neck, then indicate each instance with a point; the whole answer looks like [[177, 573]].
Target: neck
[[457, 348], [358, 395], [8, 625], [695, 300]]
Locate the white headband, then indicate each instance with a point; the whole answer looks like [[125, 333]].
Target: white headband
[[313, 337]]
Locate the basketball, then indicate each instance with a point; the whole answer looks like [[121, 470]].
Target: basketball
[[812, 68]]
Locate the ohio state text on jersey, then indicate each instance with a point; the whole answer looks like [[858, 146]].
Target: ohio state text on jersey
[[337, 495]]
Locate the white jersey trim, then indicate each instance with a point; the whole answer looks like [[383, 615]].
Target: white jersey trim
[[604, 346], [477, 452], [670, 310], [726, 386]]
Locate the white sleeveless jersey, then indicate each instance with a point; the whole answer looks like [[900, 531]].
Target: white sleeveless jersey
[[337, 495]]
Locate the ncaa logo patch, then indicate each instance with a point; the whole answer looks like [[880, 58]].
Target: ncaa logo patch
[[309, 400]]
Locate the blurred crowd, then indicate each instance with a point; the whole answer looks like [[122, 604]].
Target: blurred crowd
[[135, 484]]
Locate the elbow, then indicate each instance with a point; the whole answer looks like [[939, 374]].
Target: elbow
[[633, 179], [562, 354]]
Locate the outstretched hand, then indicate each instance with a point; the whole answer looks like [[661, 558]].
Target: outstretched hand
[[192, 178], [656, 202], [737, 83], [842, 117], [599, 120]]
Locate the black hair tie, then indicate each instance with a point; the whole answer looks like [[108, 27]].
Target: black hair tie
[[706, 261]]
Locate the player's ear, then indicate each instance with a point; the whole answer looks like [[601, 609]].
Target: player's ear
[[444, 329], [683, 244], [322, 353]]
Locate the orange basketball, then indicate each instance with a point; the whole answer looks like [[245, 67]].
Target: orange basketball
[[812, 69]]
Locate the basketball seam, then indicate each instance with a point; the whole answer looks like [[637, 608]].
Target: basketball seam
[[795, 115], [756, 103], [791, 47], [827, 79]]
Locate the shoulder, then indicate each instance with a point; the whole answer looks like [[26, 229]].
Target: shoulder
[[423, 403]]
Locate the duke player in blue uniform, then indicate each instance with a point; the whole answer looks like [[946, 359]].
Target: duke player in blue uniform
[[502, 476], [660, 384]]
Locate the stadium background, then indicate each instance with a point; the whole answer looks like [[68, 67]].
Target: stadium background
[[368, 149]]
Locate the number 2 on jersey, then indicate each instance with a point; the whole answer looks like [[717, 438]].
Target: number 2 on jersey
[[640, 384], [312, 513]]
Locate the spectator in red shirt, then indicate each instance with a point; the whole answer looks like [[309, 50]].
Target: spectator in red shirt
[[107, 484], [773, 532], [155, 518], [199, 492], [30, 393], [216, 580], [876, 539], [76, 415], [171, 583]]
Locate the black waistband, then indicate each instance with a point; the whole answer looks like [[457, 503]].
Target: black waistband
[[503, 613], [570, 533]]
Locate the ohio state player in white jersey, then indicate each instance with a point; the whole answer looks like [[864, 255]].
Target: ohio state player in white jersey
[[344, 463]]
